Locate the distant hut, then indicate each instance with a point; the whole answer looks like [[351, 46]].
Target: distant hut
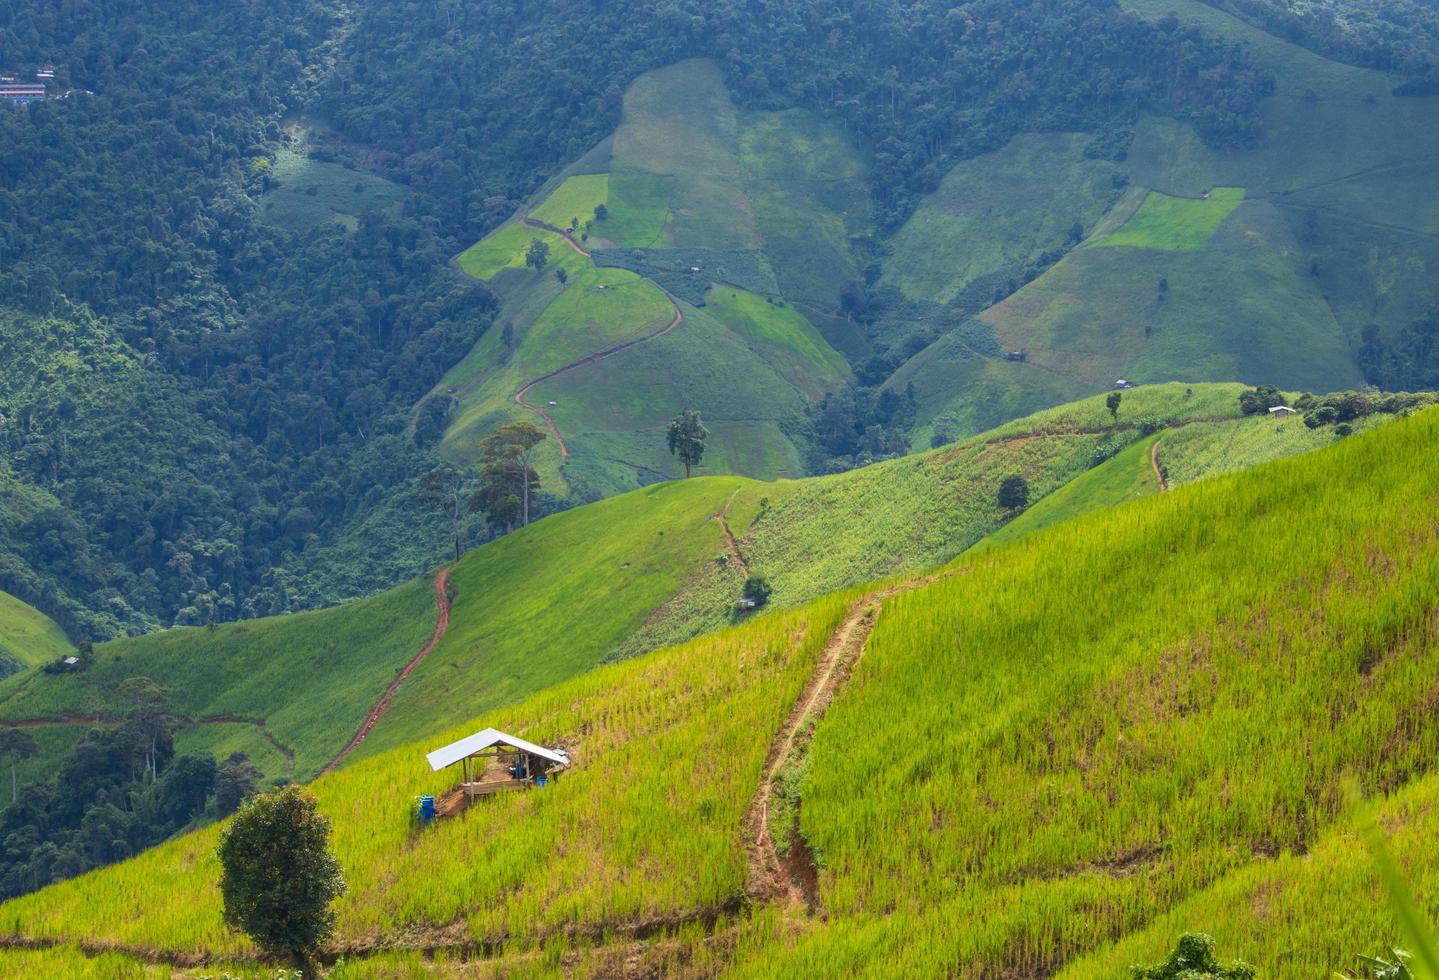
[[1281, 411], [1014, 355], [492, 761]]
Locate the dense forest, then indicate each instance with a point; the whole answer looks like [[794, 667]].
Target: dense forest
[[1400, 36], [466, 113], [204, 416]]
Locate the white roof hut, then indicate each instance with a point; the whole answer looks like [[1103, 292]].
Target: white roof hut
[[1279, 411], [509, 762]]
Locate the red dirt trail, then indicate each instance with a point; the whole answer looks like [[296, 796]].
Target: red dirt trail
[[442, 601]]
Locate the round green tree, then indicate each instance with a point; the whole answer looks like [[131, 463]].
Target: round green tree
[[279, 876]]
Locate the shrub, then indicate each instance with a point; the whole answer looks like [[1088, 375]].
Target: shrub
[[1193, 959], [279, 877]]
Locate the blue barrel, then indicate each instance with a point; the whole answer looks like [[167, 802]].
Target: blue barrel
[[427, 809], [540, 781]]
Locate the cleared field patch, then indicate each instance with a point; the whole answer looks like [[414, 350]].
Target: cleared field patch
[[309, 193], [602, 308], [808, 187], [574, 200], [786, 339], [639, 206], [995, 214], [1245, 306], [28, 638], [505, 249], [1174, 223]]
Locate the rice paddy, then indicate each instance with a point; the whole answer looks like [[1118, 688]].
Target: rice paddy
[[1175, 224]]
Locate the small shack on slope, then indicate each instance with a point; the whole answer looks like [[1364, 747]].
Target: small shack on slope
[[493, 761]]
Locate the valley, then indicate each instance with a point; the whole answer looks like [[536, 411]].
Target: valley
[[942, 489]]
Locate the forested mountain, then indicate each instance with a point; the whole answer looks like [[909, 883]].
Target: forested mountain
[[244, 445]]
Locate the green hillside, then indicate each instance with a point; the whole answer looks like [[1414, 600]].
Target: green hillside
[[28, 638], [1024, 825], [704, 206], [639, 571], [1209, 267]]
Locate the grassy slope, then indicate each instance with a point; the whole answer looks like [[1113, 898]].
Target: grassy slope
[[1061, 743], [1174, 223], [1337, 232], [552, 600], [312, 677], [28, 636], [1116, 716], [992, 215], [704, 184], [618, 838], [1351, 168], [340, 195], [822, 534], [1231, 309]]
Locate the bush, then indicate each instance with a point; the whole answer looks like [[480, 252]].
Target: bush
[[757, 589], [1014, 493], [279, 877], [1193, 959]]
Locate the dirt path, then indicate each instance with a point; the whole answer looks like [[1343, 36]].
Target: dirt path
[[591, 359], [729, 537], [1158, 470], [771, 876], [442, 623], [562, 233]]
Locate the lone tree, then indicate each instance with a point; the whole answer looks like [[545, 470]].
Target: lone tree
[[537, 256], [687, 439], [444, 489], [757, 590], [1193, 959], [507, 473], [279, 876], [601, 212], [1014, 493], [16, 744], [1112, 403]]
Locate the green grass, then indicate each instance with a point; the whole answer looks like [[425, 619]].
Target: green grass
[[576, 198], [1175, 224], [639, 211], [993, 215], [312, 677], [506, 248], [582, 852], [312, 192], [27, 635], [1112, 718], [552, 600], [1128, 476], [788, 342], [1232, 309], [1122, 727]]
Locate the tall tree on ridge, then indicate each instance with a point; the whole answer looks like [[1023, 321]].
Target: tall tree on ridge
[[687, 436]]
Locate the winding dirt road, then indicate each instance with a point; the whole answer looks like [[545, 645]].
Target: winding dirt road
[[590, 359], [442, 623], [729, 537], [1158, 470]]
